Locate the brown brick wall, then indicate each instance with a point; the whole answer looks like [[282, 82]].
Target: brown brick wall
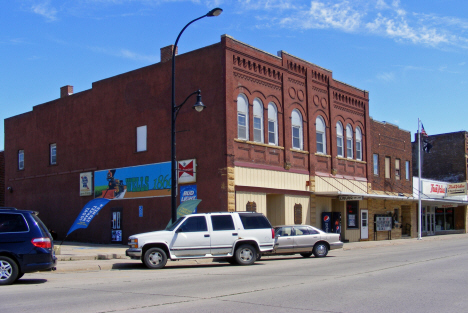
[[390, 141], [2, 178], [447, 160]]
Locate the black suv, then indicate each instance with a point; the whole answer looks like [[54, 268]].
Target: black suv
[[25, 245]]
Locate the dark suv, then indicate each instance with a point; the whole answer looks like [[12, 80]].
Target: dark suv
[[25, 245]]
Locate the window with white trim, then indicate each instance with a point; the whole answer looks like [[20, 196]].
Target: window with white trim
[[21, 159], [258, 120], [349, 142], [53, 153], [358, 144], [272, 124], [297, 136], [320, 134], [242, 117], [141, 134], [339, 139]]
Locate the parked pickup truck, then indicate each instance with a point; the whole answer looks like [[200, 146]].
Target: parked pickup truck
[[238, 237]]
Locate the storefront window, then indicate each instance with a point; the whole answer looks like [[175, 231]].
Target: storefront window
[[444, 219], [352, 214]]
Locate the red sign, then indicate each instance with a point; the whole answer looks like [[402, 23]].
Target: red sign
[[186, 171]]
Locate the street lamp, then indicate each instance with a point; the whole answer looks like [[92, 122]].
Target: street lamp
[[175, 110]]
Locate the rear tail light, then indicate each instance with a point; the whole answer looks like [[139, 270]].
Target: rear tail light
[[42, 242], [272, 233]]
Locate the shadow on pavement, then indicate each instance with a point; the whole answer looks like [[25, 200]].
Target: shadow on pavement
[[32, 281]]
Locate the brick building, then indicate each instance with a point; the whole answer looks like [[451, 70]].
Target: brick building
[[392, 179], [279, 136], [444, 169], [2, 178]]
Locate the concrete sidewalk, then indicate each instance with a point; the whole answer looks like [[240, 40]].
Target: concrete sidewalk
[[75, 256]]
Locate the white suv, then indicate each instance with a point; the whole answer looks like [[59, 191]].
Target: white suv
[[238, 237]]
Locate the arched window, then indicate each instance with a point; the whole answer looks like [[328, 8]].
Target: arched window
[[296, 121], [358, 144], [349, 142], [242, 117], [320, 135], [258, 120], [272, 124], [339, 139]]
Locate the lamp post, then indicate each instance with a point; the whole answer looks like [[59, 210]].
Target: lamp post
[[175, 110]]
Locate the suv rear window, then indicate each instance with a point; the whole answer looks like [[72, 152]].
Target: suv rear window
[[13, 223], [254, 221]]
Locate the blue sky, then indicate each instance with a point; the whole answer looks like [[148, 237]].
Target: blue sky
[[412, 56]]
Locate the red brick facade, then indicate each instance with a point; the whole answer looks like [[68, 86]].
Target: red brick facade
[[2, 178], [95, 130], [389, 141]]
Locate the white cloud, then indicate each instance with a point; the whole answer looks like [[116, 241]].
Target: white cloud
[[126, 54], [388, 77], [45, 9]]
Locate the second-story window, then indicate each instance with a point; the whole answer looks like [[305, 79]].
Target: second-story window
[[407, 173], [349, 142], [358, 144], [376, 164], [320, 134], [21, 159], [242, 118], [296, 121], [53, 153], [387, 167], [141, 138], [258, 120], [272, 124], [397, 169], [339, 139]]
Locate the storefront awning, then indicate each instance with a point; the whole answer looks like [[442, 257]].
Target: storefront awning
[[363, 195]]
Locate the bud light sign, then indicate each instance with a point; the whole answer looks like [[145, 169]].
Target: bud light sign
[[326, 222], [188, 192]]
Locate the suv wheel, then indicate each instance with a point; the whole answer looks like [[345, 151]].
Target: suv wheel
[[155, 258], [8, 271], [245, 255]]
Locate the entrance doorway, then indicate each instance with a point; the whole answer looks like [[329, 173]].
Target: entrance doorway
[[364, 224], [116, 225], [428, 221]]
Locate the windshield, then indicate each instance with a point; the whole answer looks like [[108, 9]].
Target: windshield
[[174, 225]]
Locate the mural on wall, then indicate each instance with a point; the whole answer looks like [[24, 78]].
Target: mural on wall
[[144, 181]]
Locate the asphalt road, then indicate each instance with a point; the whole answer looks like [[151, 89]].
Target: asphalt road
[[421, 276]]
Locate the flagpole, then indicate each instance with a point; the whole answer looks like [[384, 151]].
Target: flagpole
[[419, 183]]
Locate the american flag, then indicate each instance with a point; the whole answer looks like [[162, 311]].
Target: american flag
[[423, 132]]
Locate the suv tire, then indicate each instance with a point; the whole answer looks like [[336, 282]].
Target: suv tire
[[245, 255], [155, 258], [8, 271]]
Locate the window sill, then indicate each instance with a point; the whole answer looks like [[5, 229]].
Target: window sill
[[351, 160], [299, 151], [323, 155], [258, 144]]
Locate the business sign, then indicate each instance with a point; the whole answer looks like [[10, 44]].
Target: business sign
[[383, 223], [89, 211], [145, 181], [188, 192], [434, 189], [456, 189], [187, 171], [350, 198], [86, 184]]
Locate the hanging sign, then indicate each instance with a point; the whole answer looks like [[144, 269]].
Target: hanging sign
[[186, 171]]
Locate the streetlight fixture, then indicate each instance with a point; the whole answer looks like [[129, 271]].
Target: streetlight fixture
[[175, 110]]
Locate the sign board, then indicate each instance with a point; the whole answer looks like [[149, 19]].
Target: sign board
[[140, 211], [350, 198], [86, 184], [188, 192], [456, 189], [383, 223], [437, 189], [144, 181], [187, 171]]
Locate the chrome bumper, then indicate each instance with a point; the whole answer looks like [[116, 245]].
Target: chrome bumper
[[336, 245], [133, 253]]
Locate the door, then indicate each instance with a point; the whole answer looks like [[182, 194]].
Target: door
[[284, 242], [224, 234], [305, 239], [430, 216], [192, 238], [116, 225], [364, 224]]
